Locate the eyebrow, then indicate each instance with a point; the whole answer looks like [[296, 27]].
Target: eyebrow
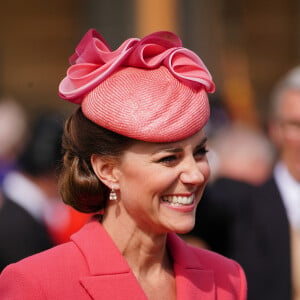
[[177, 149]]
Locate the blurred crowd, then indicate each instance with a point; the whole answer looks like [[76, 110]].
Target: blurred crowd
[[251, 207], [32, 215]]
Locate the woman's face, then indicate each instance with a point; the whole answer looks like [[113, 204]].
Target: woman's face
[[160, 184]]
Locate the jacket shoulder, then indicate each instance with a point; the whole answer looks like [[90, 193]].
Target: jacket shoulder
[[212, 260], [224, 268], [43, 274], [45, 264]]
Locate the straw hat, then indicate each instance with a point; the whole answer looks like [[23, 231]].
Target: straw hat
[[151, 89]]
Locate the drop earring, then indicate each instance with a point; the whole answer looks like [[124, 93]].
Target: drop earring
[[113, 194]]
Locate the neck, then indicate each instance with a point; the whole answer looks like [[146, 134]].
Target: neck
[[145, 253]]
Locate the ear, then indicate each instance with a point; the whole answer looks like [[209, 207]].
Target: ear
[[106, 170]]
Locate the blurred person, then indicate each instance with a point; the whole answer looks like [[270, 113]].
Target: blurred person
[[13, 130], [259, 225], [135, 152], [285, 132], [29, 193], [242, 153]]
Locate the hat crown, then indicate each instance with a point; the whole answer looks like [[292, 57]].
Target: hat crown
[[151, 89]]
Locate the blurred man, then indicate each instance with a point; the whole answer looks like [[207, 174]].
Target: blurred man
[[30, 193], [240, 152], [259, 226], [285, 132], [13, 128]]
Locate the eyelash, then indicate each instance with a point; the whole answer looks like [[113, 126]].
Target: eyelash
[[202, 151], [171, 158], [167, 159]]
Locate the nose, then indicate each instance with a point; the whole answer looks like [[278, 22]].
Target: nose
[[195, 173]]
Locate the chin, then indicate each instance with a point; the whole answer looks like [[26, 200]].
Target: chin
[[184, 227]]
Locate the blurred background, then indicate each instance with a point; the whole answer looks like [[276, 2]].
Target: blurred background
[[247, 45]]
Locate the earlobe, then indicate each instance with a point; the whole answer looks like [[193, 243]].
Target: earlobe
[[104, 170]]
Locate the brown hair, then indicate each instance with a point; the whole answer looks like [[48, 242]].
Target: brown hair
[[79, 186]]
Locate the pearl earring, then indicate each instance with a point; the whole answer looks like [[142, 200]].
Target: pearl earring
[[113, 194]]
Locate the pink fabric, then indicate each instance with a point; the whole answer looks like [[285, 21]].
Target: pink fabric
[[164, 111], [93, 62], [151, 89], [91, 267]]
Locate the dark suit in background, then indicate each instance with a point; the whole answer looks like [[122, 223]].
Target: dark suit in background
[[30, 191], [259, 226], [250, 225], [21, 235]]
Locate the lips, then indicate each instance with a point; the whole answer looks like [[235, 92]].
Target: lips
[[178, 200]]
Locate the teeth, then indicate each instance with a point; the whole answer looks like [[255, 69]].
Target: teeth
[[178, 200]]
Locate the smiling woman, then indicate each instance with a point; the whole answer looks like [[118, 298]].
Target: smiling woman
[[159, 189], [134, 154]]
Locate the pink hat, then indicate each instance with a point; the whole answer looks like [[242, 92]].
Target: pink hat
[[151, 89]]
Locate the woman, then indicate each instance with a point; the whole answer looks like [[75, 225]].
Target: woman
[[135, 152]]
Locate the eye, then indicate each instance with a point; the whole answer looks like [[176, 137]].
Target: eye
[[168, 159], [200, 152]]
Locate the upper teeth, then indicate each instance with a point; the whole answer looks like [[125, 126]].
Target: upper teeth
[[179, 199]]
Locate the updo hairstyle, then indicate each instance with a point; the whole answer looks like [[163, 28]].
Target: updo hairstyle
[[78, 184]]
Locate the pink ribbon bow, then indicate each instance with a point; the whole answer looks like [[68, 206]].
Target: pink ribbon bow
[[93, 61]]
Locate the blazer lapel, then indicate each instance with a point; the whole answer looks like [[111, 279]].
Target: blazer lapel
[[192, 280], [109, 274], [113, 286]]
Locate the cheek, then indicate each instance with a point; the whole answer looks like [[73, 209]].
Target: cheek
[[205, 169], [149, 185], [139, 178], [290, 147], [293, 141]]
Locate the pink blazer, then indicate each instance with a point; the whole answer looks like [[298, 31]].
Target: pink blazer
[[91, 267]]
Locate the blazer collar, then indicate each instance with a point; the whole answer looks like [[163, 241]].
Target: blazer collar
[[193, 281], [111, 277]]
